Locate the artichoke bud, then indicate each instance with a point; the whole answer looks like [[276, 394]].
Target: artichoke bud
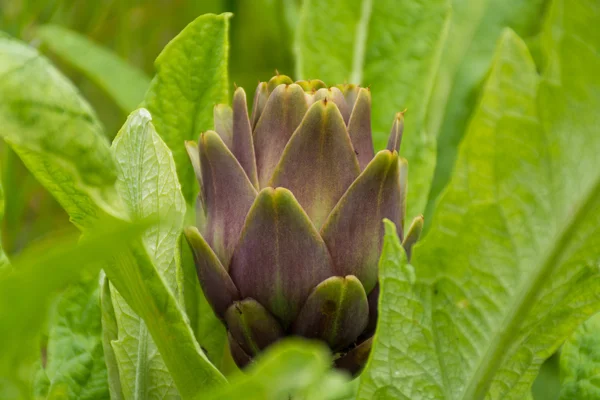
[[291, 202]]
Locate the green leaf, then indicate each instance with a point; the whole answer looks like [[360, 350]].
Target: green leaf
[[148, 185], [75, 358], [56, 133], [580, 362], [110, 334], [474, 30], [392, 46], [511, 264], [4, 262], [125, 84], [37, 276], [191, 78], [289, 368], [145, 278], [138, 281], [208, 329]]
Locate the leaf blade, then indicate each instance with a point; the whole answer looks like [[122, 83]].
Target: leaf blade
[[190, 80], [56, 134], [579, 363], [476, 25]]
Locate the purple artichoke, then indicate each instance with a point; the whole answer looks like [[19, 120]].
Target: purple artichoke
[[290, 216]]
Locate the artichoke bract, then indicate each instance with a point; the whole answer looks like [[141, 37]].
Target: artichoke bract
[[289, 227]]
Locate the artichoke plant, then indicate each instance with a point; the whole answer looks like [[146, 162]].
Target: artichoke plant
[[290, 216]]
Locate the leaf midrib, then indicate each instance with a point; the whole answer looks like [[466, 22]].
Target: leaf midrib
[[496, 353]]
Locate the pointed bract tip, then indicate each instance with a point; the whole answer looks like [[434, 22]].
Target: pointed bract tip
[[189, 232], [208, 138], [238, 91], [413, 235], [278, 80]]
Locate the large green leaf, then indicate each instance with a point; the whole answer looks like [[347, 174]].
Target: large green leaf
[[125, 84], [26, 294], [145, 278], [75, 363], [392, 46], [148, 185], [293, 368], [580, 363], [136, 278], [56, 133], [191, 78], [474, 30], [511, 264]]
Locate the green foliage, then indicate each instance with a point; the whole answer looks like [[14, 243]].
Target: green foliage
[[109, 334], [4, 262], [145, 277], [75, 364], [148, 185], [580, 362], [474, 30], [56, 133], [35, 279], [394, 48], [510, 266], [191, 78], [293, 367], [507, 270], [126, 85]]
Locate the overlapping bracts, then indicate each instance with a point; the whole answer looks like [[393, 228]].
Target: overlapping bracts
[[289, 216]]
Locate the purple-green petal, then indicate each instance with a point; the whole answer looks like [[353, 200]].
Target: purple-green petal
[[280, 257], [242, 145], [193, 152], [239, 356], [373, 299], [350, 92], [311, 85], [252, 326], [412, 235], [336, 311], [219, 289], [223, 116], [336, 96], [281, 116], [278, 80], [359, 128], [228, 195], [353, 231], [354, 360], [261, 95], [395, 139], [318, 164]]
